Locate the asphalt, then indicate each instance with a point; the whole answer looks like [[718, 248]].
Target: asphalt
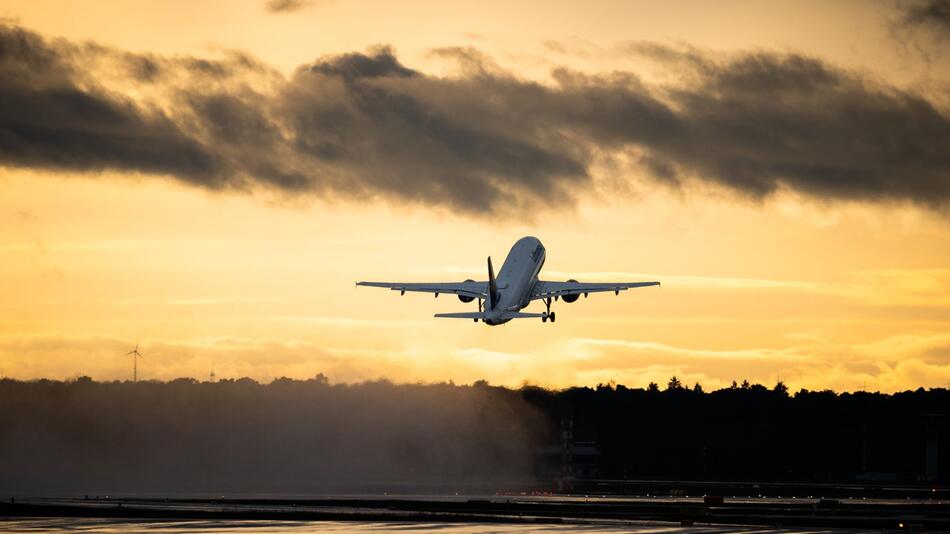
[[878, 514]]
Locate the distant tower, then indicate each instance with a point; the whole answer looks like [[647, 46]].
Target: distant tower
[[932, 427], [212, 371], [135, 361], [567, 446]]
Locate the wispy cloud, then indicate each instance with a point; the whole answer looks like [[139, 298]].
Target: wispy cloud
[[890, 287], [216, 301], [889, 364], [286, 6], [349, 322]]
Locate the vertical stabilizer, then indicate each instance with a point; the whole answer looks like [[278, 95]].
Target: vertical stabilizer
[[492, 288]]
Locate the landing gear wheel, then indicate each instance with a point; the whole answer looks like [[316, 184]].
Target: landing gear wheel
[[475, 319], [552, 317], [544, 318]]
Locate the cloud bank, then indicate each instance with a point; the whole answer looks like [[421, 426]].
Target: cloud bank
[[364, 125]]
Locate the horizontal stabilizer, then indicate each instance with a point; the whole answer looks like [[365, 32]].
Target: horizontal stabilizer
[[477, 315], [521, 315], [461, 315]]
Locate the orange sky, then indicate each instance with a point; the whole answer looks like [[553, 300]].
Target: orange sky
[[834, 293]]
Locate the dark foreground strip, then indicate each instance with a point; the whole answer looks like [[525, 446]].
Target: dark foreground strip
[[825, 513]]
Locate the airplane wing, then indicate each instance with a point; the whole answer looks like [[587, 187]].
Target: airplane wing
[[468, 288], [543, 290]]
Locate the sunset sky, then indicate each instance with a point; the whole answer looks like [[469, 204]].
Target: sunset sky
[[210, 179]]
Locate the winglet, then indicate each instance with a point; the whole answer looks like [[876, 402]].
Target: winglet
[[492, 287]]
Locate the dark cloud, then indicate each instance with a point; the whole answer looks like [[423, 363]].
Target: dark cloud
[[380, 62], [48, 120], [363, 125], [285, 6], [929, 14], [923, 27], [763, 122]]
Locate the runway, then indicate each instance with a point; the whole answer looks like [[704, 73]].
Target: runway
[[473, 514], [280, 527]]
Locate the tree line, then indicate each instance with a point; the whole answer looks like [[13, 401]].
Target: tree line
[[312, 435]]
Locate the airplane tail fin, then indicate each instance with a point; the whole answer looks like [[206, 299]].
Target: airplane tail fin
[[492, 287]]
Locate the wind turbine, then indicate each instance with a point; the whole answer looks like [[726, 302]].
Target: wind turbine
[[135, 361]]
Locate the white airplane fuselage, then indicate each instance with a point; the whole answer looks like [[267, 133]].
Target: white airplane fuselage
[[516, 279]]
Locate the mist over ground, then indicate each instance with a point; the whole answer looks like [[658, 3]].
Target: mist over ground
[[241, 436], [312, 437]]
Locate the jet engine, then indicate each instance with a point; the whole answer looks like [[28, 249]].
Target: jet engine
[[464, 298], [570, 298]]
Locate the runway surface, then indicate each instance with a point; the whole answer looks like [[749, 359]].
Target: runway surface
[[470, 514], [280, 527]]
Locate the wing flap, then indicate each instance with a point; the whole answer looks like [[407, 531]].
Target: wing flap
[[558, 289], [466, 289]]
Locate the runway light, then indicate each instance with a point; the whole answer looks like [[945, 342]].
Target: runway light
[[900, 525]]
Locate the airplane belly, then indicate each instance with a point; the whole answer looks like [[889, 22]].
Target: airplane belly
[[525, 285]]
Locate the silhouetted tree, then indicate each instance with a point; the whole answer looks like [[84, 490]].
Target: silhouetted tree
[[781, 388], [653, 387], [697, 388], [674, 384]]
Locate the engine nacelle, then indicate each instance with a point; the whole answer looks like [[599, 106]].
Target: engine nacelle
[[570, 298], [464, 298]]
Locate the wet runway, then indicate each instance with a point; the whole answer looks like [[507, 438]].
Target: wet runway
[[471, 514], [280, 527]]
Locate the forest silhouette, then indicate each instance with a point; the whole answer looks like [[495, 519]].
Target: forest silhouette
[[310, 435]]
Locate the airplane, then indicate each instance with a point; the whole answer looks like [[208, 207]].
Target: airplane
[[516, 286]]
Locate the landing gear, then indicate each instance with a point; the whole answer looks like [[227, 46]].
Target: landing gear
[[548, 314], [479, 309]]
